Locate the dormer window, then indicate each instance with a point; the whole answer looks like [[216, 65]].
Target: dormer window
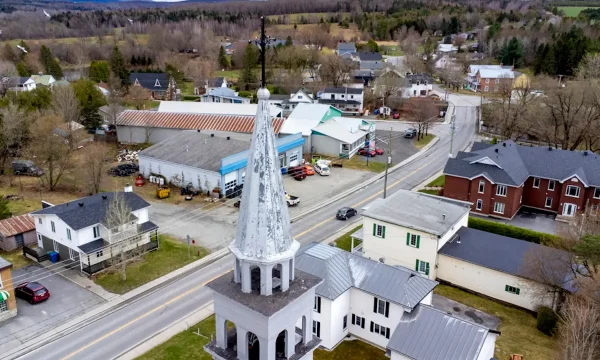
[[157, 83]]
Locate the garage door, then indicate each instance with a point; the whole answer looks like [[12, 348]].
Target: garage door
[[230, 177]]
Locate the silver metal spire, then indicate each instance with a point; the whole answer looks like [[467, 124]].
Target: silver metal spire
[[263, 232]]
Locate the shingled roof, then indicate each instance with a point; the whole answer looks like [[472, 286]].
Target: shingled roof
[[511, 164], [150, 81]]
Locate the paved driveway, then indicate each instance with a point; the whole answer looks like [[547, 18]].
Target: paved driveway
[[67, 299], [532, 219]]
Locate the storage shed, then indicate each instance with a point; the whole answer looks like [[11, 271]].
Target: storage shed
[[17, 231]]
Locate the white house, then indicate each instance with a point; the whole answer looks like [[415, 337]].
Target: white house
[[419, 85], [430, 234], [342, 136], [79, 232], [370, 61], [345, 48], [300, 97], [43, 80], [224, 95], [20, 83], [444, 49], [385, 305], [348, 100]]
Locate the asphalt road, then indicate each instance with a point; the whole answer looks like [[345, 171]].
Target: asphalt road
[[121, 330]]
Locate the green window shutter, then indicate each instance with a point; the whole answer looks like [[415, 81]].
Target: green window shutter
[[418, 241], [518, 291], [505, 287], [426, 268], [407, 239], [417, 266], [374, 229], [383, 232]]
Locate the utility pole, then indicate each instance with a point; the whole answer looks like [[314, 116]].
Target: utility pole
[[387, 164], [452, 126]]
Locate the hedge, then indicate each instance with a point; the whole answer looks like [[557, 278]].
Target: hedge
[[546, 320], [512, 231], [190, 97]]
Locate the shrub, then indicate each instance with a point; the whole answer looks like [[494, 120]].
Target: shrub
[[494, 141], [512, 231], [546, 320], [190, 97]]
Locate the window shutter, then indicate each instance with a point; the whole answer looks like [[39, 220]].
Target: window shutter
[[375, 305], [518, 291], [387, 309], [387, 333], [318, 329], [353, 319], [362, 323], [417, 266], [383, 232], [407, 239], [374, 229], [371, 326], [319, 305], [426, 268], [418, 241], [505, 287]]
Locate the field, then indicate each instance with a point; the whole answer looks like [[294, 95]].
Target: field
[[347, 34], [573, 11], [297, 18], [141, 39]]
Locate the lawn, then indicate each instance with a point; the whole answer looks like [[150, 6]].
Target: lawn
[[16, 258], [187, 88], [344, 242], [518, 327], [351, 350], [232, 75], [573, 11], [297, 17], [391, 50], [426, 139], [336, 31], [430, 192], [437, 182], [359, 162], [30, 193], [171, 255]]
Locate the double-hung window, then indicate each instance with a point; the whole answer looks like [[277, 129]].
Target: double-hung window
[[499, 208], [96, 231], [572, 191], [380, 329], [345, 322], [422, 267], [548, 202], [52, 226], [481, 189], [597, 193], [381, 306], [40, 220], [317, 306], [551, 185], [413, 240], [536, 183], [69, 234], [358, 321], [501, 190], [316, 328], [379, 231], [479, 204]]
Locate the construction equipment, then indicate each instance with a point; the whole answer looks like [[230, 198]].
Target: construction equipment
[[163, 192]]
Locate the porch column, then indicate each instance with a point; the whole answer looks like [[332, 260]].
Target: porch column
[[246, 278], [267, 348], [285, 276], [266, 280], [242, 343], [221, 330], [290, 341]]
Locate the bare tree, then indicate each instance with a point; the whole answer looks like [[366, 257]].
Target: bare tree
[[138, 96], [579, 329], [589, 67], [13, 132], [93, 159], [7, 72], [114, 98], [50, 150], [388, 85], [423, 112], [414, 64], [334, 70], [199, 70], [66, 106], [459, 41]]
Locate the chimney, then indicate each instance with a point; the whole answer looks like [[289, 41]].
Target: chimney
[[504, 144], [585, 153], [128, 188], [443, 216], [229, 137]]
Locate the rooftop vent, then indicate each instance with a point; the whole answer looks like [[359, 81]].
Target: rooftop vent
[[443, 216], [585, 153], [212, 135], [104, 197], [504, 144], [549, 148], [198, 130], [458, 240], [382, 260], [496, 150], [80, 204], [229, 137]]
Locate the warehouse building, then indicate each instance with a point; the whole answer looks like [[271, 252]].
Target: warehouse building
[[207, 161]]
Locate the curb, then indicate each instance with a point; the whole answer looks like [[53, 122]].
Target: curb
[[368, 182]]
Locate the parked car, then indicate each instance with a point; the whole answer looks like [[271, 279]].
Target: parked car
[[395, 115], [410, 133], [367, 152], [309, 170], [34, 292], [297, 172], [379, 151], [322, 169], [345, 213], [26, 167]]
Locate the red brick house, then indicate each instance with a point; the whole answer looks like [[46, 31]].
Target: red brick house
[[499, 179]]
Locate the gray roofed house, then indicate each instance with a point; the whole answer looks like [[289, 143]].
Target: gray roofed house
[[345, 48], [91, 210], [341, 270], [195, 149], [431, 214], [420, 78], [343, 90], [509, 255], [370, 56], [430, 334]]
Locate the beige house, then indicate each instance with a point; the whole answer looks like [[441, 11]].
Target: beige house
[[430, 234]]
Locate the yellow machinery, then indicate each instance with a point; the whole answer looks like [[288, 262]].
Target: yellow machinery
[[163, 192]]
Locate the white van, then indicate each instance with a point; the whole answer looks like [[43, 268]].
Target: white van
[[321, 169]]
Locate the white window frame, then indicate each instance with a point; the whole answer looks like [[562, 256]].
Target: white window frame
[[546, 202], [345, 322], [501, 190], [570, 187], [413, 240], [486, 88], [479, 205], [379, 230], [381, 304], [69, 234], [316, 328], [52, 226], [481, 188], [553, 183], [422, 267], [55, 245], [96, 230], [597, 193], [499, 208], [317, 304], [497, 81], [487, 81], [538, 180], [40, 220]]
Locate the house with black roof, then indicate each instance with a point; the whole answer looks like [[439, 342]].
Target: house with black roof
[[500, 179], [160, 85], [79, 230], [370, 61], [346, 99]]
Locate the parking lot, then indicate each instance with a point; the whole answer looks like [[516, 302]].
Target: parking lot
[[401, 148], [67, 300]]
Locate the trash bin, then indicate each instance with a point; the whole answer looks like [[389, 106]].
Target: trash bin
[[53, 256], [283, 171]]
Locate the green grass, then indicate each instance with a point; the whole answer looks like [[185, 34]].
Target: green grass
[[351, 350], [344, 242], [232, 75], [518, 327], [171, 255], [573, 11], [187, 88], [438, 182], [426, 139], [391, 50], [430, 192], [16, 258], [359, 162]]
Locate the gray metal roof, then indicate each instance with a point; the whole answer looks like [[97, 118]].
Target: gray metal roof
[[4, 263], [343, 46], [91, 210], [370, 56], [195, 149], [516, 163], [509, 255], [414, 210], [341, 270], [430, 334]]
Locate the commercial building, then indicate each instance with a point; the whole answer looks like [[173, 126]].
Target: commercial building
[[8, 302], [499, 179]]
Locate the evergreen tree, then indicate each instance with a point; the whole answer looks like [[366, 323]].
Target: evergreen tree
[[99, 71], [444, 27], [22, 69], [549, 62], [4, 210], [248, 75], [133, 60], [90, 100], [49, 63], [454, 26], [512, 53], [373, 46], [540, 58], [117, 65], [288, 41], [24, 46], [223, 60], [174, 73]]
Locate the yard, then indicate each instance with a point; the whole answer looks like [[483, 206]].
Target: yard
[[573, 11], [359, 162], [421, 143], [230, 75], [189, 345], [171, 255], [438, 182], [16, 258], [344, 242], [518, 327]]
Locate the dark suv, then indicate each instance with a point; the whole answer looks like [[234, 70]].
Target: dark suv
[[345, 213], [410, 133], [33, 292]]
